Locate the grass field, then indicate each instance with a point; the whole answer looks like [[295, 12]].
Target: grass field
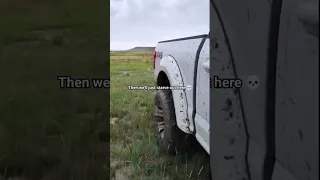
[[134, 152], [48, 133]]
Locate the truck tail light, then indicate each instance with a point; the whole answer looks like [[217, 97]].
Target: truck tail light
[[154, 59]]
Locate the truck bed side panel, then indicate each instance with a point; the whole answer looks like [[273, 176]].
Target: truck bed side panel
[[184, 52]]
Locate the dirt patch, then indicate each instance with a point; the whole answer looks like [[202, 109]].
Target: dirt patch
[[120, 170], [120, 176], [123, 73], [114, 120]]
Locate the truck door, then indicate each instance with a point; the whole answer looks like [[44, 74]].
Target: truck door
[[239, 137], [297, 88], [269, 131], [202, 95]]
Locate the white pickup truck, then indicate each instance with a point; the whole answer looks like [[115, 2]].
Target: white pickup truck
[[181, 72]]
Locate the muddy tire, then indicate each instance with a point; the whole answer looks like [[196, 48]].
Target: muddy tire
[[169, 137]]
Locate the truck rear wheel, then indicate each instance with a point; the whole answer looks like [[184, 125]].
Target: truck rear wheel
[[169, 137]]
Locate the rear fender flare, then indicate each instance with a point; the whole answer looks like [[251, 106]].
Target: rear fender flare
[[170, 67]]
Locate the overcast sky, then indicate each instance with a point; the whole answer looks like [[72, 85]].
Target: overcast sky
[[145, 22]]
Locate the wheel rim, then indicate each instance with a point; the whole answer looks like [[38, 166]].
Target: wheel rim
[[159, 120]]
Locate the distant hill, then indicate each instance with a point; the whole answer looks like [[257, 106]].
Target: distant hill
[[141, 49]]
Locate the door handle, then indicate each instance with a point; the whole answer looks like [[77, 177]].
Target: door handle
[[206, 65], [309, 15]]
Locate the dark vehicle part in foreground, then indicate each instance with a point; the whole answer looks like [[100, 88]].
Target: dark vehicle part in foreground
[[270, 132]]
